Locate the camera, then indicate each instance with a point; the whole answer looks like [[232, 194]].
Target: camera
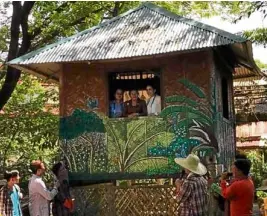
[[229, 174]]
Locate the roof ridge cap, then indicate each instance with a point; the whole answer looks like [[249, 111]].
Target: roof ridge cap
[[196, 23]]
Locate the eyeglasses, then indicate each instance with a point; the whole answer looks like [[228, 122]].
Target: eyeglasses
[[118, 93], [149, 89]]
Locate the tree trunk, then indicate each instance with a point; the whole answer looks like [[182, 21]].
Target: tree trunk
[[19, 18]]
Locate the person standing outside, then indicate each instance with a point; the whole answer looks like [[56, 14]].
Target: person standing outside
[[193, 190], [62, 203], [15, 174], [154, 101], [9, 197], [240, 192], [39, 195]]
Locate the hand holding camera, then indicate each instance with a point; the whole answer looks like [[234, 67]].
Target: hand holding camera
[[226, 175]]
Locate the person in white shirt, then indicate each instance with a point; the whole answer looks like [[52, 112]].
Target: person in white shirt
[[154, 101], [39, 195]]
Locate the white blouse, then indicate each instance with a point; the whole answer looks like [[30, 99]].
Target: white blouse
[[154, 105]]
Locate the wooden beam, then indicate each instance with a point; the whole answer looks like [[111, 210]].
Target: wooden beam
[[37, 73]]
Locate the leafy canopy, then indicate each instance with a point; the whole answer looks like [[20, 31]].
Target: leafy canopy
[[28, 128]]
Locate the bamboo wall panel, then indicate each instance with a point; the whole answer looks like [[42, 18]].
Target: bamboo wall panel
[[109, 200]]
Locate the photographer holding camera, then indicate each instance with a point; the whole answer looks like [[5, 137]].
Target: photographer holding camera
[[240, 192]]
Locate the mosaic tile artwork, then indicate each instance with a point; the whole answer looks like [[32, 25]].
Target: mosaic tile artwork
[[95, 144]]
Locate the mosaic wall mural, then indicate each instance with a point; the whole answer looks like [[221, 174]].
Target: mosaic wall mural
[[95, 144]]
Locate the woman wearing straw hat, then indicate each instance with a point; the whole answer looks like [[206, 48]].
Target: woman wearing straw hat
[[193, 191]]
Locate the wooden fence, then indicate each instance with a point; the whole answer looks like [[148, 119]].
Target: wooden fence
[[110, 200]]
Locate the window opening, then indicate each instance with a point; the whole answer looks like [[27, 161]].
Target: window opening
[[133, 80]]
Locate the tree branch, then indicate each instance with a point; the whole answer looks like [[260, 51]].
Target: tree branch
[[26, 39], [56, 33], [47, 19], [116, 9]]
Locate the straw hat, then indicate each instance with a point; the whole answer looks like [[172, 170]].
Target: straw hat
[[192, 163], [263, 186]]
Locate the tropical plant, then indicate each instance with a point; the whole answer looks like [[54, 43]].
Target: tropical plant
[[94, 143], [83, 141], [129, 140], [258, 167], [191, 119]]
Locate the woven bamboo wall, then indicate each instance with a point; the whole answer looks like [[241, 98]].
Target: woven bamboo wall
[[109, 200]]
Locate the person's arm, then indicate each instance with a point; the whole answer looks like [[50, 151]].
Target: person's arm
[[230, 191], [184, 192], [2, 202], [19, 191], [143, 108], [125, 110], [43, 191], [158, 105]]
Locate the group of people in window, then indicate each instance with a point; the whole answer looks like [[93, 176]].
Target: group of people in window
[[135, 106]]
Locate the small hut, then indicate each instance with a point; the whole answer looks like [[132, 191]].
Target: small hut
[[190, 64]]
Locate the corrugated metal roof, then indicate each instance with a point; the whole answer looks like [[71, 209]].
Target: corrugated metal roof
[[246, 77], [241, 72], [146, 30], [250, 81]]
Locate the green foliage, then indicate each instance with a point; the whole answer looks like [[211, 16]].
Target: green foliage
[[235, 11], [261, 194], [4, 36], [189, 112], [186, 115], [181, 99], [27, 130], [193, 88], [119, 147], [80, 122], [258, 36], [260, 64], [128, 140], [258, 168], [189, 8]]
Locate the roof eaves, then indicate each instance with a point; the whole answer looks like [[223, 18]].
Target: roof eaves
[[194, 23]]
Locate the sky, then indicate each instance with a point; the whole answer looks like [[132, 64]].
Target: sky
[[255, 21]]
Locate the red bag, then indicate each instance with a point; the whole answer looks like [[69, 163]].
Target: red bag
[[68, 203]]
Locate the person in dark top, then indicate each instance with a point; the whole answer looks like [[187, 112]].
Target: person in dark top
[[62, 203], [135, 107], [116, 106]]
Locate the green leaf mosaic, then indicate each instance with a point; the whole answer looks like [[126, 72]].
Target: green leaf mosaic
[[97, 145]]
